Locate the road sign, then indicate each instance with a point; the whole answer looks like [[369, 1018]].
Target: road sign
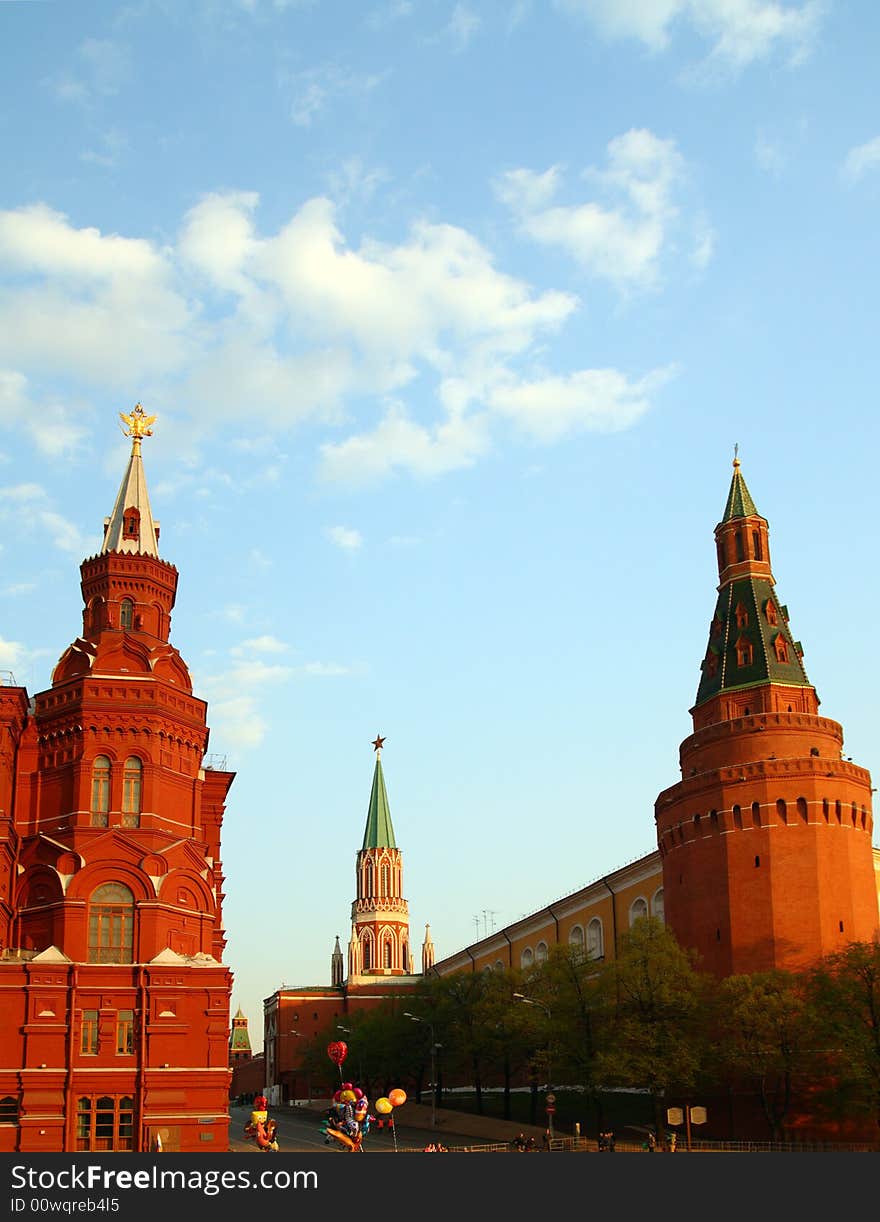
[[674, 1115], [551, 1098], [551, 1108], [698, 1115]]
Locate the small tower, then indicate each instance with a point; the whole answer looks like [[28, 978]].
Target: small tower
[[427, 952], [337, 965], [766, 839], [239, 1040], [379, 943]]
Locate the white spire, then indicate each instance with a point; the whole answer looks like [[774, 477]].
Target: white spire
[[130, 527]]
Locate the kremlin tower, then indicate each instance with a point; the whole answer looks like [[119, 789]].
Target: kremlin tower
[[766, 840], [115, 1021]]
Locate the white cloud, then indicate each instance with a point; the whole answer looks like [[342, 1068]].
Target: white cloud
[[861, 160], [624, 243], [398, 443], [463, 24], [740, 32], [261, 644], [345, 537], [64, 534], [597, 400], [13, 655]]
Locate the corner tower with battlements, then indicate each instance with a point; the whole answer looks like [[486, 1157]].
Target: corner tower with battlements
[[766, 839], [114, 1028]]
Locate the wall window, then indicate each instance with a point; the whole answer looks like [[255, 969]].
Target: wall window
[[367, 954], [657, 908], [386, 954], [743, 652], [780, 648], [111, 924], [740, 548], [527, 958], [782, 810], [576, 938], [368, 884], [100, 791], [126, 613], [541, 952], [757, 549], [131, 523], [742, 616], [8, 1110], [595, 939], [105, 1123], [638, 910], [385, 888], [125, 1033], [88, 1038], [132, 778]]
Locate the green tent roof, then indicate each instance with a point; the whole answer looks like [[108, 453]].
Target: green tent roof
[[379, 833], [739, 499]]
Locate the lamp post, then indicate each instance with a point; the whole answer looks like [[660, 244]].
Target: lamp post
[[530, 1001], [414, 1018]]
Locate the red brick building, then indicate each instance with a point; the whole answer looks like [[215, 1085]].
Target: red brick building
[[114, 1021]]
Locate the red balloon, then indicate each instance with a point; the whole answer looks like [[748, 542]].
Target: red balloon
[[337, 1052]]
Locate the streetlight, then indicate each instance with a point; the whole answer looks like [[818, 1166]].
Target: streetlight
[[530, 1001], [414, 1018]]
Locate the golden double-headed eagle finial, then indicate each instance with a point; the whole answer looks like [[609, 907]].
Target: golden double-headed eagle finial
[[138, 423]]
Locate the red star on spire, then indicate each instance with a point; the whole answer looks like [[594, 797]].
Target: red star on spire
[[378, 743]]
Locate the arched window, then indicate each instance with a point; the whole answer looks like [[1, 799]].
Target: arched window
[[499, 966], [131, 792], [367, 954], [756, 545], [657, 908], [111, 924], [740, 549], [595, 940], [8, 1110], [802, 809], [638, 910], [386, 953], [105, 1123], [126, 613], [576, 938], [782, 810], [101, 791], [385, 888], [368, 883], [541, 952], [737, 817], [756, 814], [527, 958]]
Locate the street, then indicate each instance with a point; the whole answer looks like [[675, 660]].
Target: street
[[299, 1131]]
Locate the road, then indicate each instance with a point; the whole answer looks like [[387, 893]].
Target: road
[[299, 1131]]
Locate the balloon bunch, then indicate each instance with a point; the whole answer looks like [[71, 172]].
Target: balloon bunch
[[348, 1118]]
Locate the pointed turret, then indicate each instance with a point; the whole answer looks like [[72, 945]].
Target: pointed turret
[[380, 915], [427, 952], [130, 527], [337, 968], [378, 833], [750, 643]]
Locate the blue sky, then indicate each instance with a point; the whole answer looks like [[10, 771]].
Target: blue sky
[[451, 315]]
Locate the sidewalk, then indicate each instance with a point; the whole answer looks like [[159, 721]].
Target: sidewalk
[[484, 1129]]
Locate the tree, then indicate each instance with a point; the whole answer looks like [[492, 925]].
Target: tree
[[845, 991], [765, 1035], [655, 1000]]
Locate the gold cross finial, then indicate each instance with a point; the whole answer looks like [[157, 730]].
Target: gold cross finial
[[736, 456]]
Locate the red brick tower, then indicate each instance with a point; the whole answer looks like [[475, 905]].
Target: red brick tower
[[379, 945], [766, 839], [115, 1020]]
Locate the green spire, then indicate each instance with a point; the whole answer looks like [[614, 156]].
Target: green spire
[[379, 833], [739, 499]]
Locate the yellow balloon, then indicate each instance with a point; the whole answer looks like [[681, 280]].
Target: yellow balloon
[[384, 1106], [397, 1096], [347, 1096]]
